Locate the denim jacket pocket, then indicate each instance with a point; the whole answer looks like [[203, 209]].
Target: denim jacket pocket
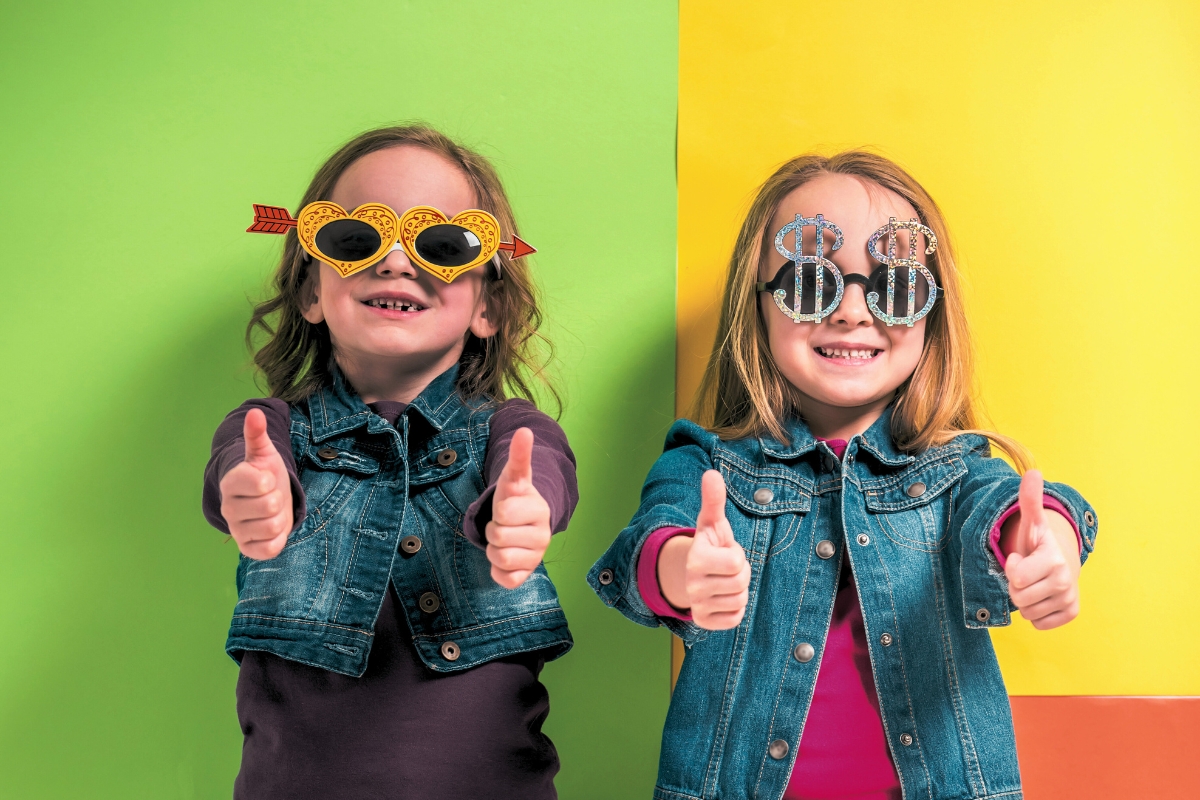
[[329, 474], [913, 508]]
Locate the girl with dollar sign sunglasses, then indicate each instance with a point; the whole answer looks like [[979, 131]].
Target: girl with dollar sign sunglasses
[[832, 538], [394, 495]]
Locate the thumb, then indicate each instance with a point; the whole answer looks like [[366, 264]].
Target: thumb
[[518, 472], [258, 444], [1033, 515], [712, 509]]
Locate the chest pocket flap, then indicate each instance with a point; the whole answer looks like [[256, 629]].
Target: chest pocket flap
[[442, 457], [764, 491], [915, 486]]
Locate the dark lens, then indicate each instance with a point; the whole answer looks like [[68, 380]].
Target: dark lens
[[348, 240], [447, 245], [879, 283], [786, 280]]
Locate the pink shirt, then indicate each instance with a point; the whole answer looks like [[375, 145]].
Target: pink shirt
[[843, 753]]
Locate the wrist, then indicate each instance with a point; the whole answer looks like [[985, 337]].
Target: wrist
[[672, 571]]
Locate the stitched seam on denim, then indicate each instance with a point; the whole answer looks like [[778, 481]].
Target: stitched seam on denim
[[966, 742], [670, 794], [784, 476], [762, 764], [877, 488], [476, 628], [994, 570], [904, 677], [288, 657], [900, 540], [791, 533], [354, 549], [357, 631], [1076, 517], [324, 573]]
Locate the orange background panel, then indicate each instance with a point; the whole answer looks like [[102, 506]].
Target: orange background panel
[[1109, 748]]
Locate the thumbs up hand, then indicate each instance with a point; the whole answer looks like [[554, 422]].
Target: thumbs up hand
[[716, 572], [256, 495], [519, 531], [1043, 565]]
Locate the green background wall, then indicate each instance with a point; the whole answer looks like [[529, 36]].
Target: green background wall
[[135, 136]]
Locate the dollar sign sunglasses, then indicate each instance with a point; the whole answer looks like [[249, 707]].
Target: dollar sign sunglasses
[[809, 288], [445, 247]]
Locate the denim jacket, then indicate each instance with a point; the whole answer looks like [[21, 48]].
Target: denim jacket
[[384, 504], [915, 531]]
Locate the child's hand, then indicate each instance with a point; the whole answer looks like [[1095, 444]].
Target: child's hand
[[1043, 567], [717, 572], [519, 531], [256, 495]]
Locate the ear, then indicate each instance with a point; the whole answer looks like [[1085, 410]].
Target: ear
[[481, 325], [310, 296]]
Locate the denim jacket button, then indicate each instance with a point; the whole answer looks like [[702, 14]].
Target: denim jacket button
[[983, 615], [831, 463], [825, 548], [778, 749], [863, 539], [804, 652], [327, 453], [605, 577], [906, 739], [410, 544], [1089, 519], [915, 489], [885, 639], [450, 651], [763, 496], [447, 457], [430, 603]]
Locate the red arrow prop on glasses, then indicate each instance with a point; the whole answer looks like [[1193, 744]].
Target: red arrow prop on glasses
[[517, 247], [271, 219]]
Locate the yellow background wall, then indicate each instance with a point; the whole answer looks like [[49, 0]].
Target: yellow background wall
[[1061, 140]]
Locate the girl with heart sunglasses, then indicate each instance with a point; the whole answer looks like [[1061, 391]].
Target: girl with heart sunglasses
[[394, 495], [831, 537]]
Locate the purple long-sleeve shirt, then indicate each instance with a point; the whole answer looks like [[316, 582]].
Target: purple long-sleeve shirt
[[400, 730]]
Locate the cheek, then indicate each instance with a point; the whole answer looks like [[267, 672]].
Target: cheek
[[907, 345]]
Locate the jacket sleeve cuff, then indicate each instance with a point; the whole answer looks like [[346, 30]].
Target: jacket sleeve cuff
[[1049, 502], [647, 573]]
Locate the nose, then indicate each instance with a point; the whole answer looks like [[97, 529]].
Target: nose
[[395, 265], [853, 311]]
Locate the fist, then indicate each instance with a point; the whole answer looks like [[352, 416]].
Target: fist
[[256, 495], [1043, 565], [519, 531], [716, 573]]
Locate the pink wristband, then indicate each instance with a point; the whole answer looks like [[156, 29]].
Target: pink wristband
[[647, 573], [1047, 502]]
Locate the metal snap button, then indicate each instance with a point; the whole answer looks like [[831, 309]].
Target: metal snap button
[[327, 453], [863, 539], [885, 639], [450, 651], [915, 489], [825, 549], [983, 615], [831, 463], [605, 577], [410, 544], [1089, 519], [803, 652], [763, 496], [429, 602], [778, 749], [447, 457], [906, 739]]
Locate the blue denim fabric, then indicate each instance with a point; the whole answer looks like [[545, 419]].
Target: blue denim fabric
[[925, 575], [367, 486]]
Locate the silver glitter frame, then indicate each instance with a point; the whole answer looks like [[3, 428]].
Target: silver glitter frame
[[797, 258], [914, 228]]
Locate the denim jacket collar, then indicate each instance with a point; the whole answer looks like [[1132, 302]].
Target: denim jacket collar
[[876, 440], [337, 409]]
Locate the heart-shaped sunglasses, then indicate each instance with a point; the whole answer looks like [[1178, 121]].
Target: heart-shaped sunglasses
[[810, 287], [445, 247]]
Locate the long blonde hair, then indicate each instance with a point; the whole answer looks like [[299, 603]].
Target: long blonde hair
[[743, 393], [296, 358]]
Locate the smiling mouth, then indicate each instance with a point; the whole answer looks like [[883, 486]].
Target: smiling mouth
[[837, 352], [394, 305]]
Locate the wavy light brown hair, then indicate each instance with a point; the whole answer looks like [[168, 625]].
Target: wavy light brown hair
[[297, 357], [743, 393]]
